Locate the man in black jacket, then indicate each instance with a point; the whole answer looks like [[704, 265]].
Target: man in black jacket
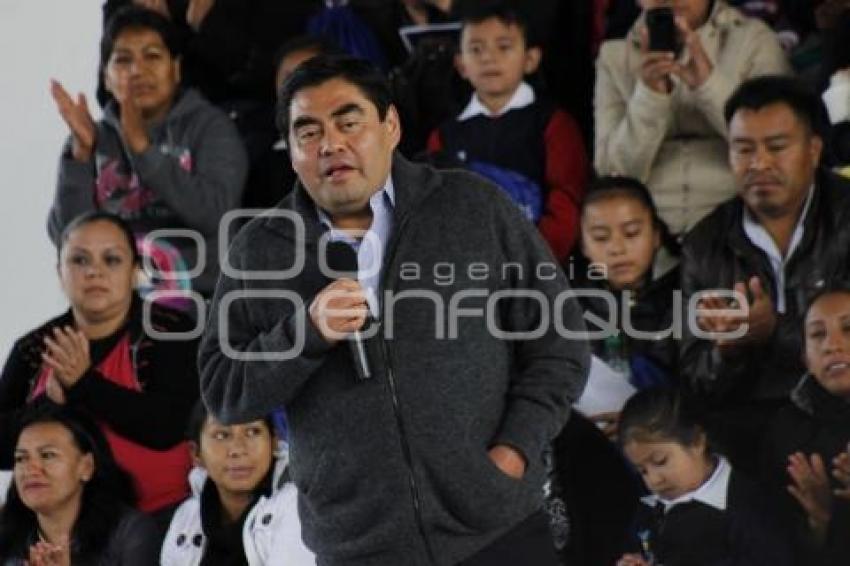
[[784, 234], [437, 458]]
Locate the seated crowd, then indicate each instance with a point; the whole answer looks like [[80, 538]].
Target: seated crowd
[[701, 212]]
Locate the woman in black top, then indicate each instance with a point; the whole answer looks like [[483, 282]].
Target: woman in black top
[[103, 356], [68, 503], [810, 435]]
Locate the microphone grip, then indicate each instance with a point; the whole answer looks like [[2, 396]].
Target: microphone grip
[[357, 345]]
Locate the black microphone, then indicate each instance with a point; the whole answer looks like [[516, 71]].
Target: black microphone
[[343, 259]]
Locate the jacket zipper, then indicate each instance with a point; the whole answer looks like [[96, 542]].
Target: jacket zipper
[[405, 446]]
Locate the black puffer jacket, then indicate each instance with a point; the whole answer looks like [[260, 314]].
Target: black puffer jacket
[[717, 254]]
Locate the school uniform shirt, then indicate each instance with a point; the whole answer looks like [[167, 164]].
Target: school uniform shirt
[[533, 137], [725, 521]]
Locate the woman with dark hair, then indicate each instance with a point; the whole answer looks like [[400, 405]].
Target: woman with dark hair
[[162, 157], [243, 508], [809, 437], [112, 357], [69, 501]]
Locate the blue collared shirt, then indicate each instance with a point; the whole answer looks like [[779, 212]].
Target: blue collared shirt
[[370, 249]]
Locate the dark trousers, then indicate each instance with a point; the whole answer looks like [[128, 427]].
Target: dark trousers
[[529, 543]]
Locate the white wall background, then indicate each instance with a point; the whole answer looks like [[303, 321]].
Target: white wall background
[[39, 40]]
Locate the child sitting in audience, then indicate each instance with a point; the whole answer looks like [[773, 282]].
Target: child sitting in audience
[[634, 273], [161, 157], [633, 255], [701, 511], [523, 142], [243, 509], [810, 436]]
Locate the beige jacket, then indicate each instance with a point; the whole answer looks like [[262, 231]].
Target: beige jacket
[[676, 143]]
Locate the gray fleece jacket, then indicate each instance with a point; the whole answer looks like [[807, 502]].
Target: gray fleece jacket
[[394, 470], [193, 172]]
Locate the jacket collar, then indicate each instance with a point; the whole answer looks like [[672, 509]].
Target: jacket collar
[[810, 397], [812, 221], [713, 492], [523, 96], [133, 323], [412, 184], [185, 101], [664, 273]]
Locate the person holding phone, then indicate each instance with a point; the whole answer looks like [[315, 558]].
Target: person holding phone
[[658, 108]]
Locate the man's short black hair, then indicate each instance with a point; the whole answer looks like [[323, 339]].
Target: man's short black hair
[[478, 12], [759, 92], [318, 70], [135, 17]]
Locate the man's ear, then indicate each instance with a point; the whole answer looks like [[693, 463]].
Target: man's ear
[[461, 68], [816, 149], [393, 124], [533, 55], [178, 69], [87, 467]]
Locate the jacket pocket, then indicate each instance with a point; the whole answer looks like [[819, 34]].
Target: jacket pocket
[[476, 496]]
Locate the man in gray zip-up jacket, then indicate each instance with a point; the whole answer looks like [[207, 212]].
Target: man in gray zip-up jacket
[[439, 454]]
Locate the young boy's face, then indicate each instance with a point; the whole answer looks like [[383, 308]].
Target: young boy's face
[[494, 57]]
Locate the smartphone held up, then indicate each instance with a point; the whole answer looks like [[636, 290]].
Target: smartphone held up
[[663, 34]]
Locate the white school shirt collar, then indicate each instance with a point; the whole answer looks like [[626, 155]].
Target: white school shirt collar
[[713, 492], [523, 96]]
